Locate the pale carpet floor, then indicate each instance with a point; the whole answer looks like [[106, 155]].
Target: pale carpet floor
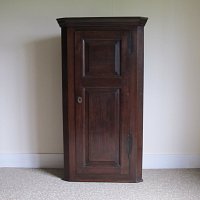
[[43, 184]]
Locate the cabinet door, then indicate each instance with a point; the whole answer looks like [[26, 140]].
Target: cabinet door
[[102, 74]]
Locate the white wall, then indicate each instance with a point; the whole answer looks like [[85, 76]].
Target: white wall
[[30, 74]]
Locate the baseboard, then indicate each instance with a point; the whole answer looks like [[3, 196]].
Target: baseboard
[[170, 161], [31, 160], [150, 161]]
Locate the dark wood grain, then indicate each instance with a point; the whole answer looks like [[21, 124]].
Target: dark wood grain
[[102, 98]]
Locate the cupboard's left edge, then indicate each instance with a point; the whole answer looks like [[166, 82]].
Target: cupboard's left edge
[[65, 102]]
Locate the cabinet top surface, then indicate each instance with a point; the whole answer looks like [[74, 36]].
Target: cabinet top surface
[[101, 21]]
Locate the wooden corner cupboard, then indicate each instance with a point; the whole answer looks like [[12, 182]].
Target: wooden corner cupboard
[[102, 73]]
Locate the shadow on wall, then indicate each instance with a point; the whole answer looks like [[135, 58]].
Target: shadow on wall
[[42, 102]]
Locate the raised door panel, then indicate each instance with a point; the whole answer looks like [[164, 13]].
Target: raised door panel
[[101, 57], [102, 115], [102, 127]]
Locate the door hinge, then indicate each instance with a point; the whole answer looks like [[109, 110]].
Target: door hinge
[[129, 144]]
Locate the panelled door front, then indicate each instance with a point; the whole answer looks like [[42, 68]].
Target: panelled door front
[[102, 106]]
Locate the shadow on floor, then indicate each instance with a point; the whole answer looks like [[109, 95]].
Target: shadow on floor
[[54, 172]]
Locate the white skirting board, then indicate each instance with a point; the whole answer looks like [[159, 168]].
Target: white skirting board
[[170, 161], [31, 160], [150, 161]]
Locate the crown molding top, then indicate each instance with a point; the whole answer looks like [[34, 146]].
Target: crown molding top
[[101, 21]]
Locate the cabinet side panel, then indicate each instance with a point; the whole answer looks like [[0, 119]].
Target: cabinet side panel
[[68, 102], [135, 60], [71, 102], [140, 83], [65, 103], [136, 111]]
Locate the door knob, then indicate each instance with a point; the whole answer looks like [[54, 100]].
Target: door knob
[[79, 99]]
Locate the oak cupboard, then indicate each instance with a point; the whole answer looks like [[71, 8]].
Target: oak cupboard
[[102, 72]]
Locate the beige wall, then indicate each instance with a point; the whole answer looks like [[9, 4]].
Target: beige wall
[[30, 72]]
